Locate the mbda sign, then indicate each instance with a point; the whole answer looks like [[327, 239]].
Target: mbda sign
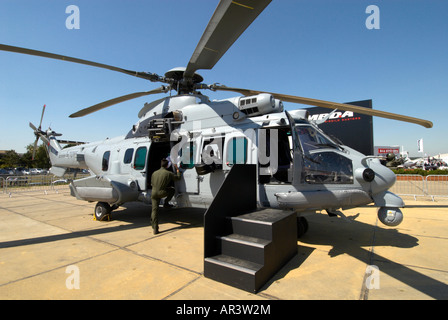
[[333, 117], [352, 129]]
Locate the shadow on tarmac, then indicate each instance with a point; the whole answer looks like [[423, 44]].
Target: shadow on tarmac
[[130, 213], [351, 238], [345, 238]]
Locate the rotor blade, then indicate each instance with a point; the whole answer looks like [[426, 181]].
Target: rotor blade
[[330, 105], [228, 22], [32, 126], [111, 102], [34, 146], [36, 132], [71, 142], [41, 117], [143, 75]]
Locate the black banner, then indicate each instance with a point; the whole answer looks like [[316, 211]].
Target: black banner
[[352, 129]]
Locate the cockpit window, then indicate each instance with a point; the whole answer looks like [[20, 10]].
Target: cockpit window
[[321, 165], [312, 139], [327, 168]]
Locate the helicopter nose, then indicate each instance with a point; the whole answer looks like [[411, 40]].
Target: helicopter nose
[[378, 177], [384, 178]]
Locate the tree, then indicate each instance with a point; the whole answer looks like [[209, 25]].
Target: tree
[[10, 159], [41, 159]]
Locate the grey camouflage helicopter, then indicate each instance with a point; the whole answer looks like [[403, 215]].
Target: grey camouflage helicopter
[[299, 167]]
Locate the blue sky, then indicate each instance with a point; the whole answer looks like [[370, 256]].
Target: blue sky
[[319, 49]]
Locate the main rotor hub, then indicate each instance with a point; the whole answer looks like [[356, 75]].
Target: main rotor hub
[[177, 74], [175, 77]]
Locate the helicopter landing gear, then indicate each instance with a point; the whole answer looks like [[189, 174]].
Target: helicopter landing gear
[[102, 211], [302, 226]]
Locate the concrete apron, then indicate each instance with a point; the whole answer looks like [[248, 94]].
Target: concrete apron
[[51, 248]]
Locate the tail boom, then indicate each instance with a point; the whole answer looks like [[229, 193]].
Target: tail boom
[[60, 159]]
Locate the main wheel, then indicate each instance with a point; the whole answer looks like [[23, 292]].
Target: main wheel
[[102, 211], [302, 226]]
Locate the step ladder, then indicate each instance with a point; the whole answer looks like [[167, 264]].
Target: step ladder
[[244, 246]]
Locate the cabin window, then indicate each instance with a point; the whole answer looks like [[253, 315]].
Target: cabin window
[[212, 152], [140, 158], [105, 163], [187, 155], [128, 155], [237, 151]]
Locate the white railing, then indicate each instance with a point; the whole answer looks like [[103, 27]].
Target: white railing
[[418, 186], [36, 183]]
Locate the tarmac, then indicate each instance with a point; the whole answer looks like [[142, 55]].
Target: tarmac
[[51, 248]]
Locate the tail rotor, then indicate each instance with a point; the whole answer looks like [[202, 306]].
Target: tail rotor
[[37, 132]]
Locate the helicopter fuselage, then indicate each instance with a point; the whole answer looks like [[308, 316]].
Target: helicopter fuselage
[[299, 166]]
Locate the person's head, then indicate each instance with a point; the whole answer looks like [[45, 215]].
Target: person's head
[[164, 163]]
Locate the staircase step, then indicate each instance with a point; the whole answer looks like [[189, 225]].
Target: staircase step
[[241, 265], [238, 238], [233, 271], [244, 247], [258, 224]]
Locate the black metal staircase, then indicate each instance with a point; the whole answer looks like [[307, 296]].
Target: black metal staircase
[[244, 247]]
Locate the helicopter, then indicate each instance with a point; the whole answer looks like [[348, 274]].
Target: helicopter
[[299, 167]]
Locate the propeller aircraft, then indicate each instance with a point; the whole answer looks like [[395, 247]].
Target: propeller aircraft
[[299, 167]]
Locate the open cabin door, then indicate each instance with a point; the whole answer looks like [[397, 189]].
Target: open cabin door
[[157, 152], [279, 155], [280, 161]]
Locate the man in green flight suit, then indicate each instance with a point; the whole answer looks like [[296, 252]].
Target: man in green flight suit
[[160, 181]]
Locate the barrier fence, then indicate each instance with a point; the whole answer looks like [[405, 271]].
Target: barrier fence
[[36, 183], [418, 186], [406, 185]]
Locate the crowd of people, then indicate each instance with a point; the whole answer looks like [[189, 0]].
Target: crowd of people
[[435, 164]]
